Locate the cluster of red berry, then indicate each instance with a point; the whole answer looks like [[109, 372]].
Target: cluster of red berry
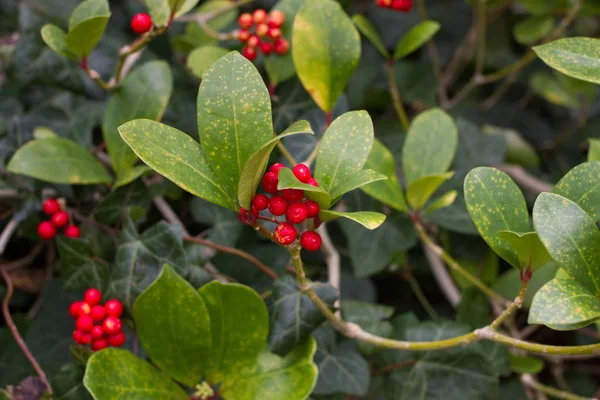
[[266, 36], [292, 204], [141, 23], [95, 324], [397, 5], [58, 219]]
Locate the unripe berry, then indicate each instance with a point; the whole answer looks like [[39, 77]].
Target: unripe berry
[[262, 30], [260, 201], [46, 230], [267, 48], [281, 46], [77, 335], [277, 206], [285, 233], [85, 323], [276, 19], [274, 33], [253, 41], [276, 167], [72, 232], [311, 241], [51, 207], [245, 21], [112, 326], [313, 182], [141, 23], [60, 219], [250, 53], [97, 332], [92, 296], [296, 213], [99, 344], [312, 208], [302, 172], [117, 340], [260, 16], [269, 182], [114, 308], [292, 194], [86, 339], [98, 313], [244, 35]]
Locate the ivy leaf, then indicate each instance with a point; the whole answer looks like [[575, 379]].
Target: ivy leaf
[[532, 29], [178, 157], [326, 50], [287, 180], [144, 94], [525, 364], [294, 316], [430, 145], [114, 374], [420, 191], [202, 58], [415, 38], [564, 304], [86, 26], [68, 383], [582, 186], [56, 39], [496, 204], [575, 57], [371, 318], [368, 30], [225, 227], [132, 199], [528, 246], [78, 267], [58, 160], [571, 238], [368, 219], [280, 68], [234, 117]]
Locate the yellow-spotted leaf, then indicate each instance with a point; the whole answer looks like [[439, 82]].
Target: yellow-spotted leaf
[[594, 151], [368, 30], [368, 219], [415, 38], [578, 57], [287, 180], [56, 39], [420, 191], [529, 248], [582, 186]]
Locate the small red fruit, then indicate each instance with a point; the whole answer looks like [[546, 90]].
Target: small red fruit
[[269, 182], [276, 19], [98, 313], [99, 344], [117, 340], [46, 230], [250, 53], [292, 194], [313, 182], [97, 332], [85, 323], [401, 5], [76, 309], [281, 46], [311, 241], [72, 232], [384, 3], [285, 233], [51, 207], [262, 29], [274, 33], [267, 48], [245, 21], [277, 206], [114, 308], [276, 167], [260, 16], [312, 208], [60, 219], [86, 339], [92, 296], [77, 335], [260, 201], [253, 41], [296, 213], [244, 35], [141, 23], [112, 326], [302, 172]]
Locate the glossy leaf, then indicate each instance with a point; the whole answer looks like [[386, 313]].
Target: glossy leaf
[[58, 160], [68, 383], [234, 117], [430, 145], [202, 58], [144, 94], [445, 200], [78, 267], [115, 374], [582, 186], [370, 317], [594, 151], [368, 219], [420, 191], [368, 30], [82, 39], [525, 364], [571, 238], [280, 68], [287, 180], [178, 157], [528, 246], [564, 304], [88, 9], [362, 178], [532, 29], [496, 204], [162, 10], [416, 37], [576, 57], [326, 50], [56, 39]]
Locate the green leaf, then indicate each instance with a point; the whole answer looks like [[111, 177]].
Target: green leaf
[[495, 203], [326, 50], [368, 30], [58, 160], [202, 58], [68, 383], [123, 200], [370, 317], [525, 364], [564, 304], [161, 10], [82, 39], [293, 315], [532, 29], [254, 168], [549, 88], [571, 238], [79, 268], [528, 246], [225, 227], [88, 9], [368, 219], [416, 37], [56, 39], [576, 57], [362, 178], [287, 180], [486, 269], [144, 94], [420, 191], [518, 151], [582, 186], [344, 150], [430, 145], [178, 157], [594, 151], [234, 117], [115, 374], [445, 200], [389, 191], [280, 68], [131, 175], [178, 338]]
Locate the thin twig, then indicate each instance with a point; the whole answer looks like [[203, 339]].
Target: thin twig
[[395, 94], [418, 292], [393, 367], [332, 259], [286, 153], [442, 276], [524, 179], [529, 381]]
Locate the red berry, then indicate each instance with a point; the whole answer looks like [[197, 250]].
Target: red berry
[[253, 41], [97, 332], [46, 230], [244, 35], [85, 323], [269, 182], [313, 182], [384, 3], [260, 201], [277, 206], [276, 167], [112, 326], [296, 213], [281, 46], [401, 5], [60, 219], [72, 232], [75, 309], [99, 344], [98, 313], [77, 335], [92, 296], [302, 172], [311, 241], [292, 194], [245, 21], [51, 207], [262, 29], [114, 308], [141, 23], [117, 340], [267, 48], [250, 53], [276, 19], [259, 16], [274, 33], [86, 339], [312, 208], [285, 233]]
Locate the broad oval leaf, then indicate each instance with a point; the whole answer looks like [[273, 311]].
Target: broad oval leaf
[[88, 9], [495, 203], [115, 374], [234, 117], [582, 186], [548, 87], [430, 145], [360, 179], [279, 67], [420, 191], [178, 338], [178, 157], [56, 39], [82, 39], [162, 11], [287, 180], [532, 29], [368, 30], [576, 57], [58, 160], [202, 58], [529, 248], [368, 219], [571, 238], [416, 37], [326, 50]]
